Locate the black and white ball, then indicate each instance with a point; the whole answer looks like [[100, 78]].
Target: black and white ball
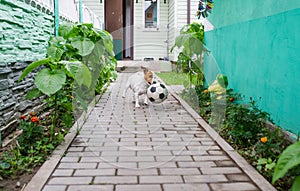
[[157, 92]]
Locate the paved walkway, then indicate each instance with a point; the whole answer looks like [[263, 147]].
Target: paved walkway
[[163, 147]]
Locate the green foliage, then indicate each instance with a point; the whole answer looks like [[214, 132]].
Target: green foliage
[[264, 164], [50, 81], [246, 130], [78, 71], [190, 58], [32, 132], [289, 159], [33, 66], [79, 63], [33, 94], [192, 39], [202, 104], [296, 184], [244, 123], [30, 149], [273, 147], [84, 45]]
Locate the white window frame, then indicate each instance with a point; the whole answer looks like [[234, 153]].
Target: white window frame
[[158, 17]]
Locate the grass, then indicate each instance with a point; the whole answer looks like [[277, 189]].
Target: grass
[[173, 78]]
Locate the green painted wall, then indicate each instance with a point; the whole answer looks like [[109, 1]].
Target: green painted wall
[[257, 44], [228, 12], [24, 31]]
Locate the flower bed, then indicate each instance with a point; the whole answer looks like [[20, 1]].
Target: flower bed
[[247, 129]]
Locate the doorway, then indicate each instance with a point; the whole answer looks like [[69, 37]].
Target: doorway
[[119, 22]]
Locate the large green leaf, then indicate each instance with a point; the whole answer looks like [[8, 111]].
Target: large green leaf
[[289, 158], [33, 94], [181, 40], [79, 72], [84, 45], [65, 29], [99, 49], [55, 52], [33, 66], [50, 81], [57, 40], [108, 42], [296, 184], [56, 47]]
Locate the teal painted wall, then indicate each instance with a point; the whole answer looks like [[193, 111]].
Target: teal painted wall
[[257, 45], [228, 12], [24, 31]]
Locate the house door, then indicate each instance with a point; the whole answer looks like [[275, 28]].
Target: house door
[[114, 24], [119, 22]]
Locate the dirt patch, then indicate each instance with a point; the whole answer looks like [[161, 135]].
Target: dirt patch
[[17, 183]]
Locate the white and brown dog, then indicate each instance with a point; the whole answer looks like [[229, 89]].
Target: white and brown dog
[[139, 83]]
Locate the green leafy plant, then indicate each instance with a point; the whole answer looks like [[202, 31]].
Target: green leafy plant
[[30, 148], [289, 159], [265, 165], [79, 62], [190, 58], [31, 132], [244, 123]]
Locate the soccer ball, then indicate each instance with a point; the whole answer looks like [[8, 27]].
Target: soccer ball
[[157, 92]]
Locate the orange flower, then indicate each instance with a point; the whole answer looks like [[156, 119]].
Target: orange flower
[[22, 117], [231, 99], [34, 119], [264, 139], [205, 91]]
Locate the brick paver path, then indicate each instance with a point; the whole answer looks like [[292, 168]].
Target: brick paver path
[[158, 147]]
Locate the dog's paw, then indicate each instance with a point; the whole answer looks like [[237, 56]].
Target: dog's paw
[[137, 106]]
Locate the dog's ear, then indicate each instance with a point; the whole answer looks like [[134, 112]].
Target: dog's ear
[[145, 69]]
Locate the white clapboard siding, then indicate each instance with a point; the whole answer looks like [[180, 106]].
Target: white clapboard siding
[[194, 9], [172, 26], [178, 11], [68, 9], [156, 43], [97, 8], [150, 43]]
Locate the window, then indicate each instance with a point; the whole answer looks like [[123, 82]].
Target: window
[[151, 13]]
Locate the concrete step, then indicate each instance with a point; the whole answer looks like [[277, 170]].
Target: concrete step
[[134, 66]]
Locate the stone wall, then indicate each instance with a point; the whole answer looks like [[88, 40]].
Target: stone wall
[[24, 32]]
